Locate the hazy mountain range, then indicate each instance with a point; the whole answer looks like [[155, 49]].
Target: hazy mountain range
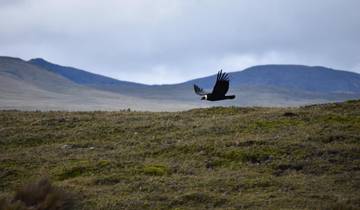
[[40, 85]]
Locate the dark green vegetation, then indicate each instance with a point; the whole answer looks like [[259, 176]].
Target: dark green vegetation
[[217, 158]]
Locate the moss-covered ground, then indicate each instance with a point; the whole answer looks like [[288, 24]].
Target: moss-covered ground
[[215, 158]]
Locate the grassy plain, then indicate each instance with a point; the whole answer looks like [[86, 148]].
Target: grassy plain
[[215, 158]]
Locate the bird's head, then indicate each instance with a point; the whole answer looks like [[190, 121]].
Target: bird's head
[[204, 97]]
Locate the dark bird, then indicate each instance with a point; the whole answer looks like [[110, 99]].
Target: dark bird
[[220, 89]]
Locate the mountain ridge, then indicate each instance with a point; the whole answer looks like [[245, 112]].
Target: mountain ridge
[[25, 86], [281, 76], [290, 67], [263, 85]]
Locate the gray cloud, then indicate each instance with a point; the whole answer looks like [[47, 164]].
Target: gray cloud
[[171, 41]]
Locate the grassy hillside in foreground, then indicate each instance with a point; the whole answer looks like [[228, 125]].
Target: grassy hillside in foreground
[[216, 158]]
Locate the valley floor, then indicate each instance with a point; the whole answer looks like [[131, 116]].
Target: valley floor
[[215, 158]]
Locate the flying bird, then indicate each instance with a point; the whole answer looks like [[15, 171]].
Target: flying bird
[[220, 89]]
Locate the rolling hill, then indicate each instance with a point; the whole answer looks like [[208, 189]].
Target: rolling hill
[[75, 89], [294, 77], [28, 87]]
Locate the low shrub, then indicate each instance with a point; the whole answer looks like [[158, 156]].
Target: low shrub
[[39, 195], [156, 170]]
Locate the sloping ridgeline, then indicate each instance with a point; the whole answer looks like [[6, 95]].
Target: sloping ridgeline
[[25, 86], [267, 85]]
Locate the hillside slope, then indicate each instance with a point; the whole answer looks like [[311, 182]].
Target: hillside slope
[[30, 75], [28, 87], [41, 85], [294, 77], [268, 85], [82, 77], [217, 158]]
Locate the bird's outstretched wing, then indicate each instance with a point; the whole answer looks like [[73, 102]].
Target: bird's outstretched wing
[[222, 84], [199, 91]]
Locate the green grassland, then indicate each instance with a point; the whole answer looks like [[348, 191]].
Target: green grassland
[[215, 158]]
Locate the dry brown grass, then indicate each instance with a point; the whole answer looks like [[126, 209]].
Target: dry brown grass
[[39, 195]]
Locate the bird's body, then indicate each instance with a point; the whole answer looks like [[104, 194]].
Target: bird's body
[[210, 97], [220, 89]]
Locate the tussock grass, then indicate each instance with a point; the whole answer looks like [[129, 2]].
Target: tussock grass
[[215, 158], [39, 195]]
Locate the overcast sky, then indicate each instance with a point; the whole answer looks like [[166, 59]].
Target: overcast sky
[[169, 41]]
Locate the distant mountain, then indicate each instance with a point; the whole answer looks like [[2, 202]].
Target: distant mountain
[[267, 85], [306, 82], [29, 87], [291, 77], [84, 77], [294, 77], [81, 77], [28, 74]]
